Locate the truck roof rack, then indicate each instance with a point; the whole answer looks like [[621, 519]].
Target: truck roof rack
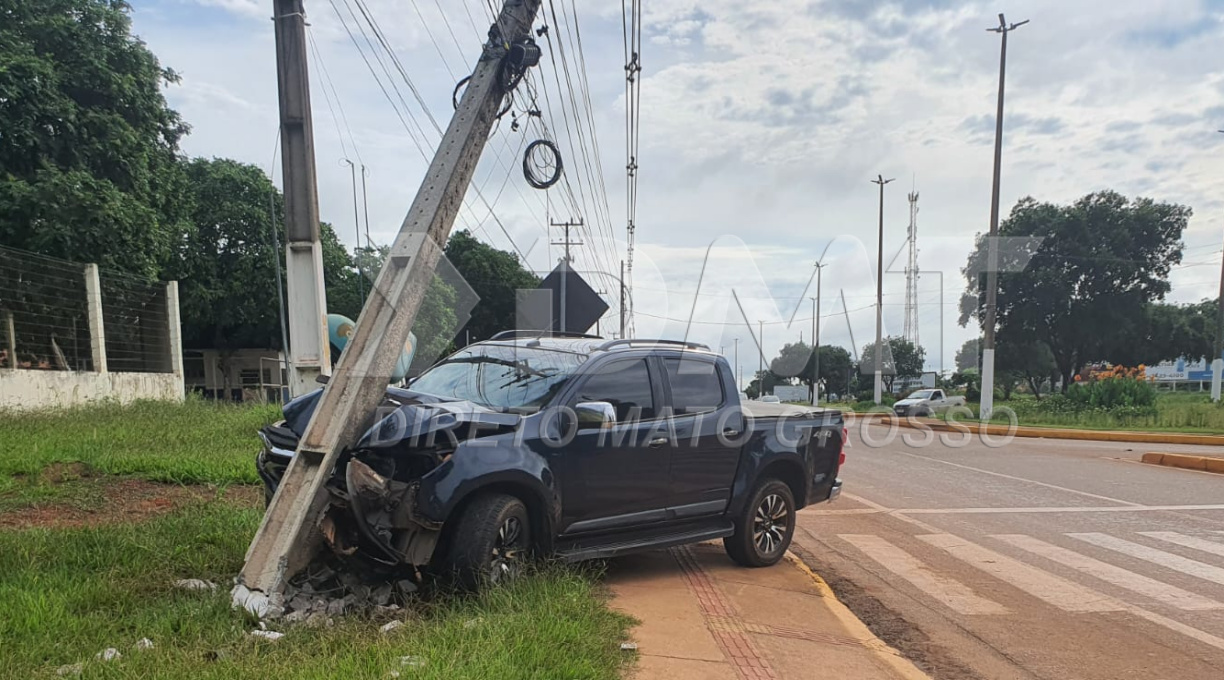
[[642, 341], [521, 333]]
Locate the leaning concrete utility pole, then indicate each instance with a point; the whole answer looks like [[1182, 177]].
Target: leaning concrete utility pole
[[879, 347], [992, 260], [309, 351], [287, 538]]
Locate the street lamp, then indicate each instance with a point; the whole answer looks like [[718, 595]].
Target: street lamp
[[879, 354], [816, 339], [992, 261]]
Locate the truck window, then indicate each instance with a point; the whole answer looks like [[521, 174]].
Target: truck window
[[625, 385], [695, 385]]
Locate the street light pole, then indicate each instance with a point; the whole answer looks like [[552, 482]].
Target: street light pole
[[879, 354], [761, 359], [816, 338], [992, 262], [738, 383]]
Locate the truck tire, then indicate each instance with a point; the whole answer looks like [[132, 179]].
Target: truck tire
[[489, 543], [764, 529]]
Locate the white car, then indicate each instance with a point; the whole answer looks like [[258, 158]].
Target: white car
[[926, 403], [770, 399]]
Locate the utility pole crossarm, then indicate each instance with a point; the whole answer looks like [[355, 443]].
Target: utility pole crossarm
[[286, 539]]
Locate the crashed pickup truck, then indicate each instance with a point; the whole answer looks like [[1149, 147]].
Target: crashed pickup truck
[[576, 447]]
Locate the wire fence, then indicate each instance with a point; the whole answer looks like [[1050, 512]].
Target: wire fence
[[45, 324], [44, 314], [136, 325]]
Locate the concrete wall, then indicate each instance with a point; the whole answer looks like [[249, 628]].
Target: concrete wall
[[22, 389]]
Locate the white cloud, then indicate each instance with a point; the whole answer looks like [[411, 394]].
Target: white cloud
[[764, 121]]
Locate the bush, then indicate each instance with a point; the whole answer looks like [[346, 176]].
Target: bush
[[1112, 393]]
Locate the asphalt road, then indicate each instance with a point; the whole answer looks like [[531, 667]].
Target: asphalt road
[[1038, 559]]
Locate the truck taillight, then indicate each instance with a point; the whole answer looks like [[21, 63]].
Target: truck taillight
[[841, 454]]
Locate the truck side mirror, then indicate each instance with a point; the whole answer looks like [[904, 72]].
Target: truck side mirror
[[595, 415]]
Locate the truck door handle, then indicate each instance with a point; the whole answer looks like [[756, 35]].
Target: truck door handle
[[731, 432], [656, 443]]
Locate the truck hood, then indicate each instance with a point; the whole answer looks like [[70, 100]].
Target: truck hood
[[406, 415], [909, 402]]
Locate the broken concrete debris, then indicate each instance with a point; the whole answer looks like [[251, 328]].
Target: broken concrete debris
[[390, 626], [270, 635], [70, 669], [628, 646], [324, 591], [144, 643], [194, 584], [108, 654]]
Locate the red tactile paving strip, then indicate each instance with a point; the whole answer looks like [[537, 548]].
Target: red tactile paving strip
[[722, 620], [732, 633]]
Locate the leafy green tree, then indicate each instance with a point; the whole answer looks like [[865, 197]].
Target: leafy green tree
[[1094, 265], [89, 166], [1019, 361], [494, 275], [969, 355], [798, 361], [766, 378], [902, 359]]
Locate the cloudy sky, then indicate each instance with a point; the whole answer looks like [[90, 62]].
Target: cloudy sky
[[761, 126]]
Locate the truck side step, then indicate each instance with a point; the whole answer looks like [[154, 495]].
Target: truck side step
[[679, 536]]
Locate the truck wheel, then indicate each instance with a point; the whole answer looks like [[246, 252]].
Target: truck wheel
[[764, 529], [490, 542]]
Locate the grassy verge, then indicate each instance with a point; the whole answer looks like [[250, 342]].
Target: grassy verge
[[69, 594], [193, 442]]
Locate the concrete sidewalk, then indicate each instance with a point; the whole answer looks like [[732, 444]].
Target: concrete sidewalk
[[704, 617]]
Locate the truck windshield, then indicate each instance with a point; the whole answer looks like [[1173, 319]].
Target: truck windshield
[[500, 376], [922, 394]]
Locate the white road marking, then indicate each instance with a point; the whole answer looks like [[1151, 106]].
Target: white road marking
[[1043, 585], [1179, 627], [1187, 541], [1041, 509], [1185, 565], [1018, 479], [1162, 592], [951, 593]]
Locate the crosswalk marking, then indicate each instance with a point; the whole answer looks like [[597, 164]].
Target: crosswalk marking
[[951, 593], [1187, 541], [1053, 589], [1163, 592], [1185, 565]]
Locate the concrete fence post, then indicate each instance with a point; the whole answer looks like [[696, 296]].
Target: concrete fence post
[[97, 334], [175, 331], [10, 339]]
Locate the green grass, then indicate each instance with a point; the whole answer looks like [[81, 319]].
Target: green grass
[[1187, 413], [69, 594], [190, 443]]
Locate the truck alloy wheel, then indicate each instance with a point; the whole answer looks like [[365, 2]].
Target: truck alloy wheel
[[508, 549], [769, 526], [764, 528], [489, 541]]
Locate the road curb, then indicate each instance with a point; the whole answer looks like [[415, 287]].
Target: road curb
[[891, 657], [1178, 460], [1054, 433]]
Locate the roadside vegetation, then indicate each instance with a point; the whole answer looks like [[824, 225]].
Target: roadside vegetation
[[106, 580]]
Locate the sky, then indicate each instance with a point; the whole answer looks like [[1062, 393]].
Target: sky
[[761, 126]]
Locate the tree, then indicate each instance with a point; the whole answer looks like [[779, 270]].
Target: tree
[[89, 166], [753, 390], [902, 359], [797, 361], [1094, 265], [969, 355], [494, 275], [1020, 360]]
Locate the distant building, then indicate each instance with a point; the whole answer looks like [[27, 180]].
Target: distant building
[[239, 375]]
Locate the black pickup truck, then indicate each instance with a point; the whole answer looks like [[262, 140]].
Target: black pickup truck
[[576, 447]]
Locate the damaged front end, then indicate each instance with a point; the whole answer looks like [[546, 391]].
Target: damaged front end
[[373, 510]]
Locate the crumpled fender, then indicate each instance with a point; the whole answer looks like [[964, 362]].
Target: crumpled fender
[[430, 425]]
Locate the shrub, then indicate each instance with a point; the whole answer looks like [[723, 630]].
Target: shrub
[[1113, 392]]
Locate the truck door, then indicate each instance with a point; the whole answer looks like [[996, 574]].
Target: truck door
[[702, 463], [617, 476]]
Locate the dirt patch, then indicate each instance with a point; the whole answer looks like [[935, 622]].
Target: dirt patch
[[903, 636], [114, 499]]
